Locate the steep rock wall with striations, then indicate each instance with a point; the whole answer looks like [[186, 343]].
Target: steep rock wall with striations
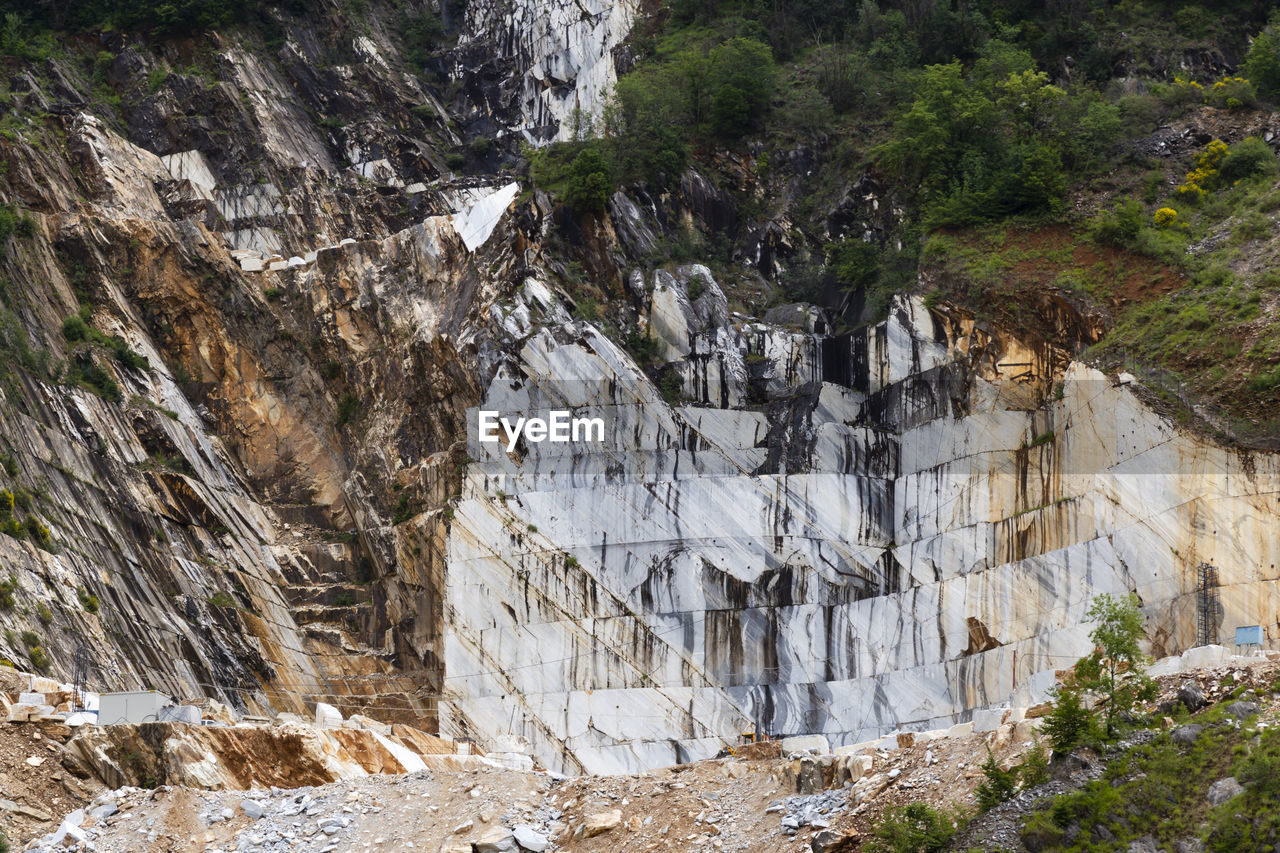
[[241, 497], [897, 548]]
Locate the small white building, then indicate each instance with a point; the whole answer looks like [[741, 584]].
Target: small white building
[[134, 706]]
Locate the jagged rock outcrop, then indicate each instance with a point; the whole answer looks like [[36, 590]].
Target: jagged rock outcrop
[[245, 757], [293, 312], [551, 64]]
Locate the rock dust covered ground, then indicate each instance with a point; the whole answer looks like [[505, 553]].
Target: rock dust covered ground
[[732, 804], [741, 803]]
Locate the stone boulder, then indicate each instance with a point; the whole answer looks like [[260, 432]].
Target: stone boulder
[[495, 839], [1192, 696], [601, 822], [851, 768], [1223, 790], [833, 841], [806, 743], [530, 839], [810, 774], [1240, 710]]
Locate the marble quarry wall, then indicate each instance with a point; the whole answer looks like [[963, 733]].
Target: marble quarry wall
[[917, 539]]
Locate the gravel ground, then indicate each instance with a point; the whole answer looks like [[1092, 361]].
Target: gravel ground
[[737, 804]]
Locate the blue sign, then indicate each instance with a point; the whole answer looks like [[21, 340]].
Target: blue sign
[[1249, 635]]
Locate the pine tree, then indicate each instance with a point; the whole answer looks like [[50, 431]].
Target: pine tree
[[1070, 721], [998, 786]]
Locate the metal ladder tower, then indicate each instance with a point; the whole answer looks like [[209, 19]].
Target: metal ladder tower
[[81, 677], [1208, 605]]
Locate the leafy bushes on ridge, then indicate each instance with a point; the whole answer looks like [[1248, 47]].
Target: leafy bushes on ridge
[[590, 181], [1248, 158], [995, 141], [157, 16]]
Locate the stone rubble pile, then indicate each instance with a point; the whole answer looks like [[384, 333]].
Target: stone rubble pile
[[816, 810]]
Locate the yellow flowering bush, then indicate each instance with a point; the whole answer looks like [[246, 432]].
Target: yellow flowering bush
[[1196, 185], [1180, 92], [1231, 93], [1167, 217]]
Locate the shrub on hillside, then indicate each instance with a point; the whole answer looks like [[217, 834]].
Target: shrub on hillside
[[1120, 226], [997, 785], [1167, 217], [1248, 158], [741, 78], [1232, 93], [913, 828], [1070, 723], [1206, 175]]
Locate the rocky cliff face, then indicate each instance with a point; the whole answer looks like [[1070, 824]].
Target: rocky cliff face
[[300, 304], [546, 68], [286, 501]]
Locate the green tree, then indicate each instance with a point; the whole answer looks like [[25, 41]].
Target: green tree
[[647, 120], [997, 141], [854, 262], [999, 59], [1030, 102], [740, 80], [421, 33], [947, 119], [1115, 669], [1034, 769], [730, 113], [1262, 64], [1087, 129], [1069, 723], [997, 785], [1040, 181], [590, 181]]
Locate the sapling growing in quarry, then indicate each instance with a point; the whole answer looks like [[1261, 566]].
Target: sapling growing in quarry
[[1114, 672]]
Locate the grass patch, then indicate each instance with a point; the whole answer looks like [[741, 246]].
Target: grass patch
[[88, 601], [1159, 789]]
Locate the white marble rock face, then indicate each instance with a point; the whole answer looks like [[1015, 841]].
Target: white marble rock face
[[564, 51], [894, 550]]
